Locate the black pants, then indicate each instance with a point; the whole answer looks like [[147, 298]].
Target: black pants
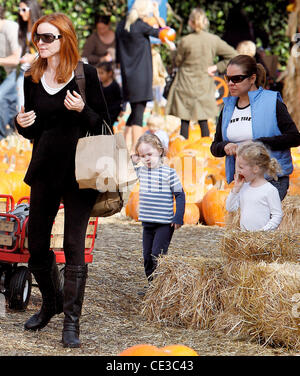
[[184, 130], [156, 241], [44, 204]]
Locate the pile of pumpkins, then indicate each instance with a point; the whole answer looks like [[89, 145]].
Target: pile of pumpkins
[[15, 155], [203, 178]]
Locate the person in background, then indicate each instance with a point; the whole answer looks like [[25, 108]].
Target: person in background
[[101, 44], [254, 113], [159, 185], [112, 91], [257, 199], [29, 12], [155, 124], [10, 52], [135, 59], [246, 47], [55, 117], [192, 94], [159, 78]]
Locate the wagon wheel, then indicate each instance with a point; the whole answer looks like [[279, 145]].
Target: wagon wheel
[[61, 279], [221, 89], [20, 288]]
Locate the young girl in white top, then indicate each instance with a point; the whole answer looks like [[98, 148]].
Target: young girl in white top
[[257, 199]]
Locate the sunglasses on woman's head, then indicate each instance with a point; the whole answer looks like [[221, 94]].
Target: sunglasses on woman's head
[[25, 9], [46, 37], [237, 78]]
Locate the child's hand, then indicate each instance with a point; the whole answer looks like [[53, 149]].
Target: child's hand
[[135, 158], [239, 180], [176, 226]]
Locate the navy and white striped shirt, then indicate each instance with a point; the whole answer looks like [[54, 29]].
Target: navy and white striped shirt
[[158, 187]]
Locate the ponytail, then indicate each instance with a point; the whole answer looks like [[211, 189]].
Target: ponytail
[[260, 76], [273, 168]]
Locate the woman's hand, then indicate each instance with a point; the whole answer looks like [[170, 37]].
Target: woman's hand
[[230, 148], [27, 58], [212, 70], [25, 119], [74, 101]]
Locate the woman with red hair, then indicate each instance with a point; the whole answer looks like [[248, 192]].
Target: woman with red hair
[[55, 116]]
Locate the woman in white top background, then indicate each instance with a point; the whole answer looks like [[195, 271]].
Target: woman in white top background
[[257, 199], [254, 113]]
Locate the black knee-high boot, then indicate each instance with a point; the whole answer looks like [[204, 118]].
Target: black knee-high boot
[[48, 280], [75, 279]]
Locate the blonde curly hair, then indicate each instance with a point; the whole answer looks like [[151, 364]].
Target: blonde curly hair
[[198, 20], [256, 154], [153, 140], [139, 9]]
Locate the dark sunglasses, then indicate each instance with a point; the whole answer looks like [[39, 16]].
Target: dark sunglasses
[[237, 79], [25, 9], [46, 37]]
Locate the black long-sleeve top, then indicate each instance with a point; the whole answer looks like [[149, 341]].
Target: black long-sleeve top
[[290, 136], [56, 129]]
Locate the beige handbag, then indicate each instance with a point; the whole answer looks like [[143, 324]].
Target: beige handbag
[[103, 163]]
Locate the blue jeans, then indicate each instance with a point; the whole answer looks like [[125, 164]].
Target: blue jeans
[[8, 102]]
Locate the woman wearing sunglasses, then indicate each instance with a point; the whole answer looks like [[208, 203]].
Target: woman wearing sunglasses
[[253, 113], [55, 117], [29, 11]]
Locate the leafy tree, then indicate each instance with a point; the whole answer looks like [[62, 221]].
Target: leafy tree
[[270, 16]]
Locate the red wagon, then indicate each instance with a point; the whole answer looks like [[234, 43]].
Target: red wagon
[[15, 279]]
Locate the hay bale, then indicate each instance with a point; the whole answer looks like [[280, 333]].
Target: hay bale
[[268, 246], [291, 214], [184, 292], [262, 303]]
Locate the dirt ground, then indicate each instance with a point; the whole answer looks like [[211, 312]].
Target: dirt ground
[[111, 319]]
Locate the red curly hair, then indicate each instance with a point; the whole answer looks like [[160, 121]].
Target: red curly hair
[[69, 53]]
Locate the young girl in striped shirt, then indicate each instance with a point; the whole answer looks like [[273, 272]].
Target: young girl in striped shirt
[[159, 184]]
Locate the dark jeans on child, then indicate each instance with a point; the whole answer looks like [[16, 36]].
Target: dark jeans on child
[[156, 241], [282, 184]]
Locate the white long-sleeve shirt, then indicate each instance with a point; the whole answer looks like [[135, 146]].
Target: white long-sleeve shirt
[[260, 207]]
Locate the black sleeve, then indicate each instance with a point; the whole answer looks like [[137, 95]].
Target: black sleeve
[[217, 146], [33, 130], [290, 136]]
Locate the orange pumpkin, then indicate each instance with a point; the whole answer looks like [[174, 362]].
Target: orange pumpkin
[[167, 33], [213, 206], [151, 350], [142, 350], [11, 183], [191, 214], [132, 206], [179, 350]]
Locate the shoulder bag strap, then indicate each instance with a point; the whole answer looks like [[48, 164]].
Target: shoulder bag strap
[[80, 79]]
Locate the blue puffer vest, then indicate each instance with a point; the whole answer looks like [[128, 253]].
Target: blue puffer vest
[[264, 124]]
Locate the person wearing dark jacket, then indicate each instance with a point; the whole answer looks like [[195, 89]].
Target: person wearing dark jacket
[[55, 117], [253, 113], [133, 53]]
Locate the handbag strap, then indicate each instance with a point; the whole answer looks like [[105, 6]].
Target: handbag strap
[[80, 79]]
